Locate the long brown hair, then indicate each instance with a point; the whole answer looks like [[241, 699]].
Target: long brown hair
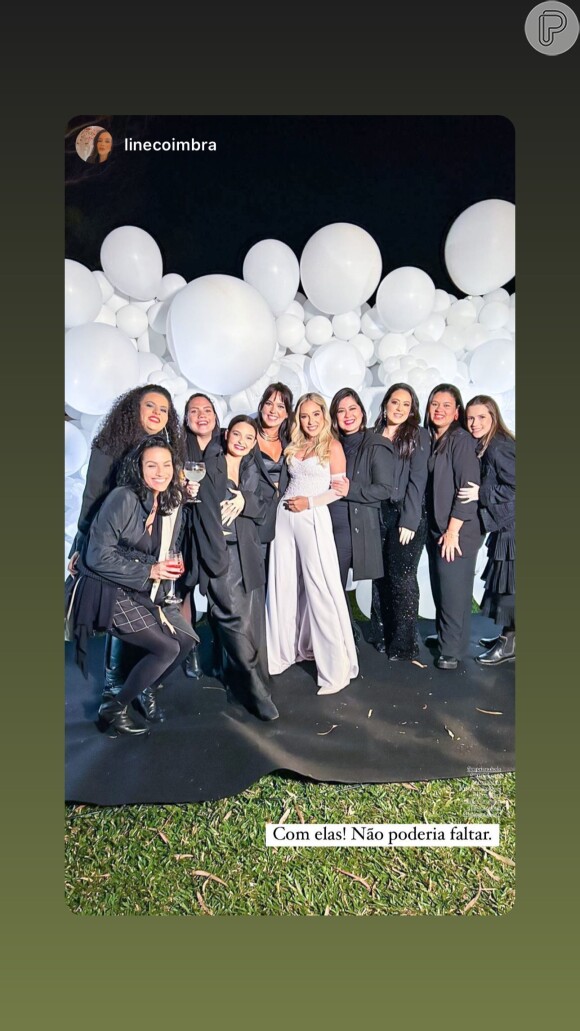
[[497, 423], [407, 434]]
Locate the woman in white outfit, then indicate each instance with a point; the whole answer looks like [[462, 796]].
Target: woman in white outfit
[[306, 609]]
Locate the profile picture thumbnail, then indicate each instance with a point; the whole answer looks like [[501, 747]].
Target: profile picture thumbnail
[[94, 144]]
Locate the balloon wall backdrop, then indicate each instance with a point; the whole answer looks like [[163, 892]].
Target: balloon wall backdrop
[[129, 324]]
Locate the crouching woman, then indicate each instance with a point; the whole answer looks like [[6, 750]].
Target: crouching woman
[[125, 574]]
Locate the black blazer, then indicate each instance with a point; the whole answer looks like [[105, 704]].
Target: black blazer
[[370, 471], [208, 529], [410, 481], [270, 493], [118, 526], [452, 465], [202, 540], [101, 478], [497, 493]]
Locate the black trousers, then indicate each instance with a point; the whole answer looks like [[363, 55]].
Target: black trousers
[[395, 596], [452, 587], [238, 621]]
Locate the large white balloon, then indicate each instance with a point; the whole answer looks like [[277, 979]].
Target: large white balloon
[[132, 262], [480, 249], [82, 294], [405, 298], [222, 333], [75, 449], [338, 364], [493, 366], [100, 363], [272, 268], [340, 267]]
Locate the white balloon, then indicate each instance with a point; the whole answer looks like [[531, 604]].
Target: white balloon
[[346, 326], [293, 379], [222, 332], [477, 302], [497, 295], [473, 336], [318, 330], [157, 343], [289, 330], [132, 320], [272, 268], [494, 315], [157, 316], [511, 322], [75, 449], [426, 603], [431, 329], [439, 356], [107, 289], [441, 302], [100, 363], [301, 347], [170, 284], [143, 344], [310, 311], [391, 344], [338, 364], [82, 294], [365, 346], [493, 367], [117, 301], [340, 267], [371, 398], [142, 305], [480, 247], [371, 325], [295, 308], [462, 313], [148, 363], [132, 261], [364, 591], [405, 298], [454, 338]]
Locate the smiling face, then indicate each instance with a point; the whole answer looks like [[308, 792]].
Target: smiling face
[[479, 421], [398, 407], [349, 416], [104, 144], [443, 411], [311, 418], [157, 468], [273, 412], [201, 417], [153, 412], [240, 439]]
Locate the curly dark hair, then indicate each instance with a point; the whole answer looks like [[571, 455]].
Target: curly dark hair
[[122, 428], [94, 157], [341, 395], [286, 395], [407, 434], [131, 474], [459, 423]]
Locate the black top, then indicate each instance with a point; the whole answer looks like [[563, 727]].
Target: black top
[[497, 493], [273, 483], [410, 480], [451, 465]]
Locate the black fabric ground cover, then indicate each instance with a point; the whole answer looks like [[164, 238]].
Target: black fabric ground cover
[[395, 723]]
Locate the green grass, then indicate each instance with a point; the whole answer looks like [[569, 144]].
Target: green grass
[[144, 859]]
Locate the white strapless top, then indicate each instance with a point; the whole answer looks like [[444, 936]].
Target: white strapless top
[[308, 477]]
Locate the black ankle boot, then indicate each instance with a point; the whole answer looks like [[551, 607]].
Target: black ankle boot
[[503, 651], [147, 704], [264, 709], [488, 642], [191, 665], [114, 714]]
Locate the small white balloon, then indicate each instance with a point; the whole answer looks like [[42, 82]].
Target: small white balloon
[[106, 316], [346, 326], [365, 347], [271, 267], [371, 325], [170, 284], [473, 336], [301, 347], [494, 315], [82, 294], [132, 262], [157, 316], [405, 298], [107, 289], [426, 603], [117, 301], [391, 344], [340, 267], [439, 356], [431, 329], [132, 321], [462, 313], [295, 308], [289, 330], [318, 330], [364, 596], [441, 302], [500, 295], [148, 363], [454, 338]]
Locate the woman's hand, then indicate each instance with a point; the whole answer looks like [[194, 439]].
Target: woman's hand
[[191, 489], [298, 504], [340, 484], [449, 542], [405, 535], [72, 566], [232, 507], [469, 493], [164, 571]]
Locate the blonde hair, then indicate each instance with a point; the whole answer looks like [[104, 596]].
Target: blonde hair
[[299, 442]]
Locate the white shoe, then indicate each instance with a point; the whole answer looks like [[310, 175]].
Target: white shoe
[[330, 689]]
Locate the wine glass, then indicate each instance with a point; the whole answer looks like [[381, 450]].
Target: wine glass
[[175, 559], [194, 472]]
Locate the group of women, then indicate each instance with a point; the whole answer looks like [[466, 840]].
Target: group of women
[[289, 503]]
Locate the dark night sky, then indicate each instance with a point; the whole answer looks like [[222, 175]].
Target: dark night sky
[[403, 179]]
